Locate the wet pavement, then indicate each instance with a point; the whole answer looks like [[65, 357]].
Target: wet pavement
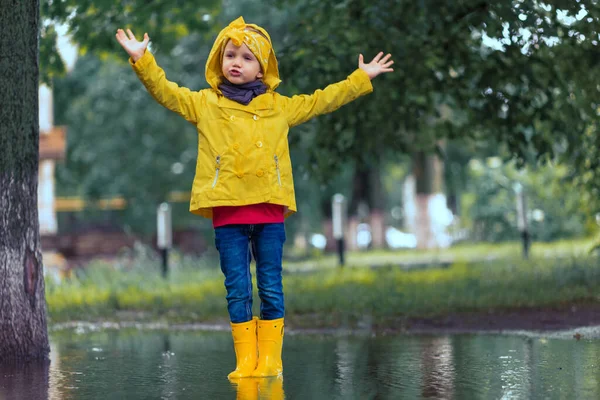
[[188, 364]]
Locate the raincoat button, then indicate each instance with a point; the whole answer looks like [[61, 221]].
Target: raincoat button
[[239, 175], [231, 118], [236, 146], [259, 144], [259, 172], [255, 117]]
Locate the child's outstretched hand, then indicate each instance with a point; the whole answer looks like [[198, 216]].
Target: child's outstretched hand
[[132, 46], [377, 66]]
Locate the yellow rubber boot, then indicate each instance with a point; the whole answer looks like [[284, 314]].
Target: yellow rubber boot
[[270, 342], [244, 343]]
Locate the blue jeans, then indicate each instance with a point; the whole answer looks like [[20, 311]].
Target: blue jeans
[[236, 245]]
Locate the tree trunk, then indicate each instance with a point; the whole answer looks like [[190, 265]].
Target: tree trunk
[[428, 175], [23, 331], [377, 217], [368, 203]]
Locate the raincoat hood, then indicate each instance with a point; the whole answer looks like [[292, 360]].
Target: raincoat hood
[[259, 46]]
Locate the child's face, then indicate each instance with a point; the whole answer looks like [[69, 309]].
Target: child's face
[[240, 65]]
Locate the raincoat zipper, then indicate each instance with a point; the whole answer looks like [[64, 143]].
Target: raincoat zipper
[[217, 168], [278, 173]]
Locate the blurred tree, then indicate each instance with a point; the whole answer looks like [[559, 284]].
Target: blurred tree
[[121, 142], [474, 69], [92, 24], [490, 71], [556, 210]]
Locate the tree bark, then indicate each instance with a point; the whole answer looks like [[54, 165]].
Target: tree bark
[[367, 192], [428, 173], [23, 330]]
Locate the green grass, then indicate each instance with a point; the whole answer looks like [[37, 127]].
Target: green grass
[[460, 253], [555, 276]]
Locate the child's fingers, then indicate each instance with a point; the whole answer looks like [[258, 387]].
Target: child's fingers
[[121, 38], [360, 59], [386, 58], [131, 36], [120, 35], [378, 56]]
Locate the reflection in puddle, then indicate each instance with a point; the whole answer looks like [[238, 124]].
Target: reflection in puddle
[[24, 380], [136, 364], [438, 369], [259, 388]]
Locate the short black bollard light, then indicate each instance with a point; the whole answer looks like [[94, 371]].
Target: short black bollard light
[[338, 220], [164, 236]]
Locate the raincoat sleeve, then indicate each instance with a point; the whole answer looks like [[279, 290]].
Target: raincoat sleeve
[[300, 108], [181, 100]]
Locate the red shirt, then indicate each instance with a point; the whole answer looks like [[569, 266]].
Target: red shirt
[[262, 213]]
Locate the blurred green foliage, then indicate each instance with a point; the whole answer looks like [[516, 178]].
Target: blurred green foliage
[[93, 25], [326, 296], [496, 77], [556, 209], [121, 143]]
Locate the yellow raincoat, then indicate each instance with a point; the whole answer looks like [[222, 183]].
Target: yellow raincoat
[[243, 154]]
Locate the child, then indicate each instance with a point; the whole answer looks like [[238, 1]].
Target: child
[[243, 175]]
